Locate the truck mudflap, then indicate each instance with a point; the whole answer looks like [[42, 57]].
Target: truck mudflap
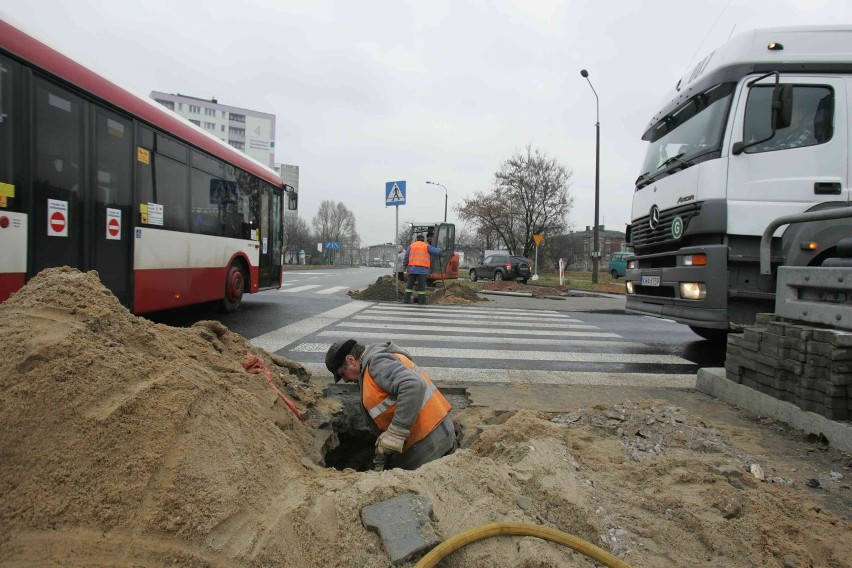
[[657, 279]]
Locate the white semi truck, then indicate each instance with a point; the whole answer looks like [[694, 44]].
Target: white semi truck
[[760, 129]]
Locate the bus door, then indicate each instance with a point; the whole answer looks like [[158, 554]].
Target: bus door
[[13, 193], [80, 214], [276, 238], [269, 269], [57, 221], [113, 211]]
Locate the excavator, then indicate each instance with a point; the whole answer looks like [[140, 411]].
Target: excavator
[[442, 235]]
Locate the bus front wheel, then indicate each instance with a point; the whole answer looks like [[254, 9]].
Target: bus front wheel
[[235, 284]]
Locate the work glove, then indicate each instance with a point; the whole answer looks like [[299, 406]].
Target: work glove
[[392, 440]]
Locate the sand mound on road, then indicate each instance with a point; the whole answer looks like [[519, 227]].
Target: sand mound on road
[[128, 443], [388, 289]]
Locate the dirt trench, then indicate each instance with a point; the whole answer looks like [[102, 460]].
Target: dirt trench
[[130, 443]]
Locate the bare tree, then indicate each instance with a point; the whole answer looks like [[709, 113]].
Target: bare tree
[[530, 195], [334, 222], [297, 237]]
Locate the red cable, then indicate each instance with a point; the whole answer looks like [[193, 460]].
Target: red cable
[[254, 366]]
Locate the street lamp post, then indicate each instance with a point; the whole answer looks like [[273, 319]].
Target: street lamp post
[[445, 198], [596, 253]]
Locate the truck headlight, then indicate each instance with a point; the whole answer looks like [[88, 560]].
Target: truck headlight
[[693, 290], [629, 286]]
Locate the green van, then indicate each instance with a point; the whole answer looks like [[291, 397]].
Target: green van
[[618, 263]]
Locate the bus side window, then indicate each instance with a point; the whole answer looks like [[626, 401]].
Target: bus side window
[[144, 169], [171, 191]]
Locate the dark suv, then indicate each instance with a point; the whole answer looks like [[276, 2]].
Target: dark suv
[[502, 267]]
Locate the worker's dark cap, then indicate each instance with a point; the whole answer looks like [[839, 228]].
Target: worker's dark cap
[[336, 355], [421, 238]]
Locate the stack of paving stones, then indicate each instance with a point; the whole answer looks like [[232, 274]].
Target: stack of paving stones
[[804, 364]]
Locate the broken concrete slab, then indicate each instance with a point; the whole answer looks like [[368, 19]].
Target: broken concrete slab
[[404, 524]]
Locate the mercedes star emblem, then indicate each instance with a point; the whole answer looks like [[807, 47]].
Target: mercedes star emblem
[[654, 220]]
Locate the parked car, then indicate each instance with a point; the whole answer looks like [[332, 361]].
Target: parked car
[[618, 263], [502, 267]]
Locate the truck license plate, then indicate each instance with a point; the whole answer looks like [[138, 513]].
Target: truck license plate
[[650, 281]]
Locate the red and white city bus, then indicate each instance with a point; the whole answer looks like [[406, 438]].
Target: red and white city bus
[[97, 178]]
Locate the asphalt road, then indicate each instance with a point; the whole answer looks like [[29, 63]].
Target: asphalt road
[[576, 341]]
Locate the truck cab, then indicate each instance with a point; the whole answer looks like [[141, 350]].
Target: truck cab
[[757, 130]]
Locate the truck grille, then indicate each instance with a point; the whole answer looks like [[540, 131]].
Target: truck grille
[[645, 238]]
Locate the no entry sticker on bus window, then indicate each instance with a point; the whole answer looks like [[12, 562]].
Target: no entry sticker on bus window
[[57, 218], [113, 224]]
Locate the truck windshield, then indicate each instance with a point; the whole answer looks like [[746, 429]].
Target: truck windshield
[[692, 131]]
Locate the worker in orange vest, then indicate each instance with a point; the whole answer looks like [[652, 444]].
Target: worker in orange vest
[[419, 266], [404, 407]]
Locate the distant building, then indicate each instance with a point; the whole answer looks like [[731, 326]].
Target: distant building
[[577, 246], [386, 253], [249, 131], [288, 174]]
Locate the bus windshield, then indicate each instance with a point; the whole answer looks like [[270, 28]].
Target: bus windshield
[[691, 132]]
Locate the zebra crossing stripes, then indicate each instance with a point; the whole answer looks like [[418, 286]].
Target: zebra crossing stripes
[[473, 320], [492, 354], [435, 326], [289, 288], [460, 344], [446, 338]]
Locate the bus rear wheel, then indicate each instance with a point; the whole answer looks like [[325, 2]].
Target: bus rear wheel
[[235, 284]]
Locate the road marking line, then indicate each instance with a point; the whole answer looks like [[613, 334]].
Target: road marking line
[[458, 376], [484, 320], [284, 336], [287, 273], [407, 309], [604, 342], [332, 290], [302, 288], [439, 327], [514, 314], [569, 357]]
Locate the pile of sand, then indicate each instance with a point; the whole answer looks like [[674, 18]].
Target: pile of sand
[[389, 289], [456, 293], [131, 443], [385, 289]]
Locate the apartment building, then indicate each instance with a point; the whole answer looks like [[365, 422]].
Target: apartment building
[[249, 131]]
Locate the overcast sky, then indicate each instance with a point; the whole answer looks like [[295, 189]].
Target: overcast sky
[[367, 92]]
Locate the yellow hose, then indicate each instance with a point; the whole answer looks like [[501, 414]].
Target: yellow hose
[[519, 529]]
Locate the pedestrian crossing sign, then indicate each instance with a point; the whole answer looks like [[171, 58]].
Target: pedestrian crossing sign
[[395, 193]]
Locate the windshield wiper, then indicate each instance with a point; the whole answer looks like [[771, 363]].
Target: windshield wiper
[[642, 177], [673, 159]]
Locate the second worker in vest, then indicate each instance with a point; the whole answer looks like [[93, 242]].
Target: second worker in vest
[[408, 411], [418, 262]]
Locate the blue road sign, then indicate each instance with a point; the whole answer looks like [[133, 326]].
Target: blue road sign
[[395, 193], [332, 246]]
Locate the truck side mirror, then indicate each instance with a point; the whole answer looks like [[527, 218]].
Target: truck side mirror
[[292, 200], [782, 106]]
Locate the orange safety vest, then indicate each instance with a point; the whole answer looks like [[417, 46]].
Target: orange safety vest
[[381, 405], [418, 254]]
